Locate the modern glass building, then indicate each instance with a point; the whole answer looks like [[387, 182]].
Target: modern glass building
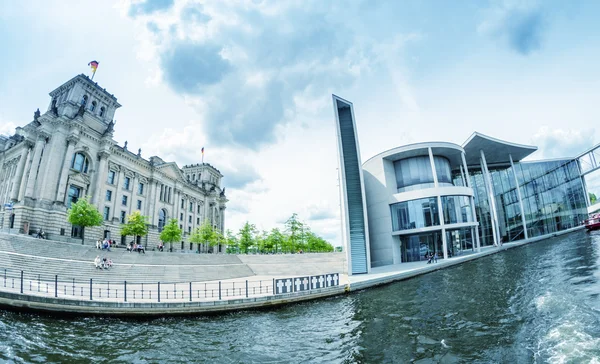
[[449, 199]]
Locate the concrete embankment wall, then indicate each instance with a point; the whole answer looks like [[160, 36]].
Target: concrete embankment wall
[[295, 264]]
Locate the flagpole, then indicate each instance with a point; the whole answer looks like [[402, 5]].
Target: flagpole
[[93, 74]]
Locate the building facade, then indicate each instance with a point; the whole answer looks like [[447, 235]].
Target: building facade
[[446, 199], [68, 152]]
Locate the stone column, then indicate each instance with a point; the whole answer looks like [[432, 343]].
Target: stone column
[[102, 173], [117, 195], [14, 195], [64, 174], [150, 205], [51, 165], [35, 163]]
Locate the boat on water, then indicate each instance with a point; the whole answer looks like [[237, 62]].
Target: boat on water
[[593, 222]]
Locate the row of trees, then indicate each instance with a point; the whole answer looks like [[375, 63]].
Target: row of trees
[[295, 237]]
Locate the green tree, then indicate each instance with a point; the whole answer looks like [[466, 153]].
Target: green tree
[[171, 232], [217, 238], [84, 214], [294, 230], [276, 240], [246, 237], [231, 242], [136, 225], [203, 235], [593, 198]]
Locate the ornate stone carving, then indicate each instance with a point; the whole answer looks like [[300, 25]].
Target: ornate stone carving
[[73, 139], [114, 167], [103, 155]]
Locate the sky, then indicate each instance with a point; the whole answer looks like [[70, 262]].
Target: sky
[[251, 82]]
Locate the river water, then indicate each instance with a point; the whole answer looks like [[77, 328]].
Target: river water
[[534, 304]]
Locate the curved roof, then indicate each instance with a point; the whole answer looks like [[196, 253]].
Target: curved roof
[[444, 149], [496, 151]]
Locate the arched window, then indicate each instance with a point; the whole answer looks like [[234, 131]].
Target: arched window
[[162, 218], [102, 111], [80, 163], [93, 107], [84, 100]]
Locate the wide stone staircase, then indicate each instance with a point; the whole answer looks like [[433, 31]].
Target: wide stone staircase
[[47, 258], [74, 261]]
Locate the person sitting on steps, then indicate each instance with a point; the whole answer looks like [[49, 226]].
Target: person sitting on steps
[[97, 262]]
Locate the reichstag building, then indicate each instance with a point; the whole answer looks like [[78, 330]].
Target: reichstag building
[[68, 152]]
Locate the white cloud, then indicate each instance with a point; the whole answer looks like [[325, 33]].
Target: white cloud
[[7, 127], [560, 143]]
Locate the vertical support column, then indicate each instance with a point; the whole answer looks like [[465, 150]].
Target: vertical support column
[[14, 194], [492, 201], [439, 203], [51, 165], [151, 201], [117, 195], [35, 163], [133, 196], [64, 174], [473, 213], [102, 172], [512, 166]]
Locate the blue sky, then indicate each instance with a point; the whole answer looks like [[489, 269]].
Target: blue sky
[[251, 81]]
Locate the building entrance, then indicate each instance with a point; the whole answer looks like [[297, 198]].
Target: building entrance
[[413, 248]]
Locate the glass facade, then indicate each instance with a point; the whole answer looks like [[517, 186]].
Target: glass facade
[[415, 214], [416, 173], [552, 193], [414, 247], [456, 209]]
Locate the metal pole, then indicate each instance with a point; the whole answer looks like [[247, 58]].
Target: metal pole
[[21, 281], [219, 290], [56, 285], [190, 291], [246, 288], [125, 290], [90, 289], [158, 291]]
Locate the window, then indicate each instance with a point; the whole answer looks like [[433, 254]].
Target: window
[[74, 193], [180, 227], [93, 107], [84, 100], [198, 208], [102, 111], [111, 177], [106, 213], [122, 217], [126, 183], [124, 201], [108, 195], [189, 229], [191, 206], [140, 188], [190, 219], [80, 163], [139, 204], [182, 203], [181, 217], [162, 218]]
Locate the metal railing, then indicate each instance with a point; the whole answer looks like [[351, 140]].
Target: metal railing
[[18, 281], [92, 289]]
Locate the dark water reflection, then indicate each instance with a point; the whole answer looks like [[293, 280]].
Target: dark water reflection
[[538, 303]]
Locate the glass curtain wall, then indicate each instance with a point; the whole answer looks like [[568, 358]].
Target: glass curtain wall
[[415, 214], [553, 196], [414, 247], [553, 199], [456, 209], [459, 241], [413, 173]]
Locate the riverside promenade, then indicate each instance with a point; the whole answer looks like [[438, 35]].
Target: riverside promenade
[[58, 277]]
